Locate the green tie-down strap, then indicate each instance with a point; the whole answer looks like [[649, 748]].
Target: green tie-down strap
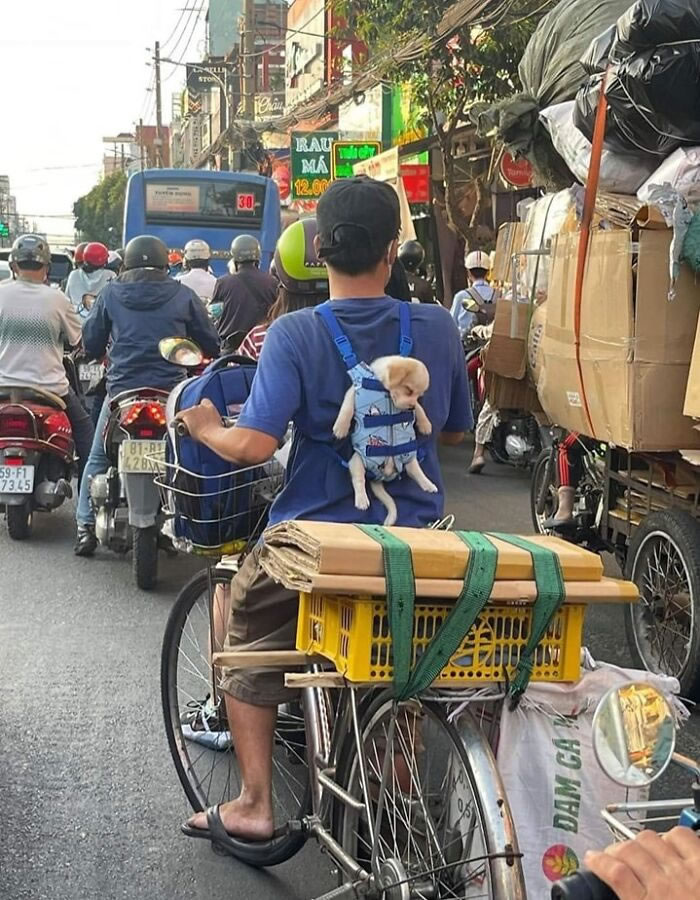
[[400, 598], [551, 594]]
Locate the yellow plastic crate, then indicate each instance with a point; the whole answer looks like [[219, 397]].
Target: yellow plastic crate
[[353, 632]]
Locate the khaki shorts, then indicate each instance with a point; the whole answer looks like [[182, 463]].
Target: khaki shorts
[[263, 617]]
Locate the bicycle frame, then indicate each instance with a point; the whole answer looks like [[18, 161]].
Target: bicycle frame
[[325, 731]]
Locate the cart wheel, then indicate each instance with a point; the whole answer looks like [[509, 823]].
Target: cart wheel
[[543, 491], [663, 629]]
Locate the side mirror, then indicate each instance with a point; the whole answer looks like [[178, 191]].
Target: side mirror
[[634, 734], [181, 352]]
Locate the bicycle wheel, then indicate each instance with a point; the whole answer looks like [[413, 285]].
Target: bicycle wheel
[[195, 720], [434, 837], [663, 629]]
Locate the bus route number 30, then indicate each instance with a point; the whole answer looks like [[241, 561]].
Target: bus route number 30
[[245, 203]]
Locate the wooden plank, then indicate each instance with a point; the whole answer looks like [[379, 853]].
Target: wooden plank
[[263, 659]]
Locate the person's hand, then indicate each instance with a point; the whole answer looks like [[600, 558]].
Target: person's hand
[[200, 419], [652, 866]]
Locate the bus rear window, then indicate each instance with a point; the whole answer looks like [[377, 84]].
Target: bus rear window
[[204, 201]]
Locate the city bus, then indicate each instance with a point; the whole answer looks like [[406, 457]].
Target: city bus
[[177, 205]]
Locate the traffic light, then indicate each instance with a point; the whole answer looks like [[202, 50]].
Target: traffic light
[[4, 230]]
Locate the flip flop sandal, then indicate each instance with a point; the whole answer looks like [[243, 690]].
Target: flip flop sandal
[[220, 838], [476, 468]]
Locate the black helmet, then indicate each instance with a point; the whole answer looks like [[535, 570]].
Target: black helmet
[[146, 252], [412, 255], [245, 248], [297, 265], [31, 248]]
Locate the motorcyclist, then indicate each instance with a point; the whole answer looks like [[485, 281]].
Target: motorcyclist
[[78, 254], [133, 314], [36, 322], [115, 261], [303, 280], [478, 264], [174, 263], [412, 255], [196, 274], [248, 295], [85, 283]]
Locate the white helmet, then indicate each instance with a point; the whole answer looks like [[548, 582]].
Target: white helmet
[[477, 259], [197, 249]]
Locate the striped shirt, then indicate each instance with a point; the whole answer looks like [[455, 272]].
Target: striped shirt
[[253, 341]]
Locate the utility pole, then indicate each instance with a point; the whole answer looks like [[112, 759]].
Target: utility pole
[[141, 142], [248, 49], [159, 110]]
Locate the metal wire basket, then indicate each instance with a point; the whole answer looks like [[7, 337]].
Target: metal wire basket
[[213, 515]]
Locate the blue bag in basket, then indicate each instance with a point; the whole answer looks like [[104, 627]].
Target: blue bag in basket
[[216, 508]]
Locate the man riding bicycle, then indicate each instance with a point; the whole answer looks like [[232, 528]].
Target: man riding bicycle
[[301, 378]]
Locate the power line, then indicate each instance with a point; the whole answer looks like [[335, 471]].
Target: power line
[[176, 26], [189, 39]]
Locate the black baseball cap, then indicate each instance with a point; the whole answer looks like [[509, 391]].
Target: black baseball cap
[[357, 208]]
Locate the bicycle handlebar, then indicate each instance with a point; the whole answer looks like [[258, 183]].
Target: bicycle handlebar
[[582, 886]]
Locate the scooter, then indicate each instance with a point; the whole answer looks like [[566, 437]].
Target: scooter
[[37, 456], [126, 500], [516, 439]]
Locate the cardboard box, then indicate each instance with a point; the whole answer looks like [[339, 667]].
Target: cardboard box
[[509, 241], [636, 345], [692, 395], [506, 354], [511, 393]]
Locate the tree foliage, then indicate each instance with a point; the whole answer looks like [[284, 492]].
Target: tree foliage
[[477, 65], [100, 213]]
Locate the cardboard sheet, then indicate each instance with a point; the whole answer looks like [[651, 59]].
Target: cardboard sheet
[[296, 552]]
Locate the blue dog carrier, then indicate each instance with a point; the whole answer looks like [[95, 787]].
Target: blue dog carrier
[[212, 506]]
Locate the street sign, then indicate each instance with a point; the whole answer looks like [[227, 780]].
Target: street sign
[[347, 153], [517, 172], [4, 230], [311, 159]]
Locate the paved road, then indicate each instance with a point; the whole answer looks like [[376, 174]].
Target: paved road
[[90, 802]]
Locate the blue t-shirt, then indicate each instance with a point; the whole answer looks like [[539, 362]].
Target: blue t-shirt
[[301, 378]]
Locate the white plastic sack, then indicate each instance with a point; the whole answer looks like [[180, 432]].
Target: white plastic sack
[[554, 784], [681, 170], [619, 174], [545, 218]]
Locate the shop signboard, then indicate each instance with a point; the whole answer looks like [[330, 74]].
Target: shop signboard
[[516, 172], [311, 158], [415, 173], [407, 116], [347, 153]]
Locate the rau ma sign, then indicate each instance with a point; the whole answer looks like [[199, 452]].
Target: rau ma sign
[[311, 159]]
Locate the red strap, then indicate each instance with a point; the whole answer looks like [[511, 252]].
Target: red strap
[[585, 235]]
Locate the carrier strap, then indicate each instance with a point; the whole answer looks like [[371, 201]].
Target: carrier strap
[[342, 342]]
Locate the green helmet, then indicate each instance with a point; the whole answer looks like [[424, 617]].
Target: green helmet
[[298, 267]]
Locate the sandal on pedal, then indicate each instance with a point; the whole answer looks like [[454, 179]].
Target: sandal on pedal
[[219, 837]]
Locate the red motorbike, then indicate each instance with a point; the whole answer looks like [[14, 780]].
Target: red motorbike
[[37, 456]]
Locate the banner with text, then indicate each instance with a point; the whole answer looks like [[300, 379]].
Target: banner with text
[[311, 158]]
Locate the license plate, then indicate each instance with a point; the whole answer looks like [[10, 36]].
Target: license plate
[[134, 457], [16, 479], [88, 371]]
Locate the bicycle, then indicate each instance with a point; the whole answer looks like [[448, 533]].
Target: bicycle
[[405, 803]]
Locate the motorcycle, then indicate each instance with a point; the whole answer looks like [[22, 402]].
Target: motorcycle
[[126, 500], [37, 456], [516, 440], [634, 740]]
